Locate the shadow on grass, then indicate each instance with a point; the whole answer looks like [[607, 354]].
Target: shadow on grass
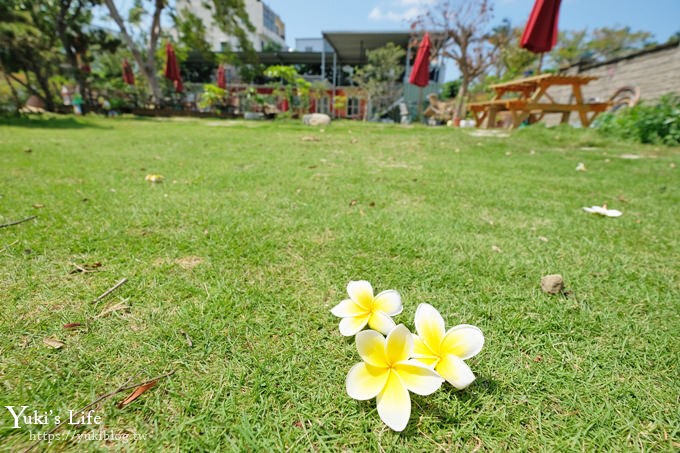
[[484, 385], [421, 405], [48, 122]]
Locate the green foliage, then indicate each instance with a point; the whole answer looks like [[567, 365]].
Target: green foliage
[[295, 88], [213, 96], [450, 89], [191, 33], [601, 44], [381, 76], [659, 124]]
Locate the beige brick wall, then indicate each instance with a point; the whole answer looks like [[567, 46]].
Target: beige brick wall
[[655, 73]]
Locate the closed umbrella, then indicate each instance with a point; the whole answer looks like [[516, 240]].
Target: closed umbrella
[[221, 77], [172, 68], [420, 74], [128, 75], [540, 33]]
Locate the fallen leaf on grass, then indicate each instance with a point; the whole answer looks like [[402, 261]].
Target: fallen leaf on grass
[[53, 343], [38, 205], [73, 325], [543, 238], [496, 249], [353, 202], [188, 338], [581, 167], [154, 178], [118, 307], [136, 394], [309, 138]]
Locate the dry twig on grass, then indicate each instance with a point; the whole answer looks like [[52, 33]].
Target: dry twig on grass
[[17, 222], [110, 290]]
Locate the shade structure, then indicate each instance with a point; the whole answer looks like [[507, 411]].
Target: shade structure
[[420, 74], [172, 68], [221, 77], [540, 33], [128, 75]]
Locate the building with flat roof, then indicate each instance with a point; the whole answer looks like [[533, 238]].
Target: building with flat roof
[[269, 34]]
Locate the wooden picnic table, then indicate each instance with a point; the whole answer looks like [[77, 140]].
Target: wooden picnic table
[[530, 100]]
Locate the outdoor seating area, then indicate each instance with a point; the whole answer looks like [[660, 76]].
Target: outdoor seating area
[[530, 101]]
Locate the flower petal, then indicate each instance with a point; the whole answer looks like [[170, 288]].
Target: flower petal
[[613, 213], [371, 347], [455, 371], [361, 292], [399, 345], [418, 378], [464, 341], [388, 301], [350, 326], [348, 308], [430, 326], [394, 403], [381, 322], [365, 381], [420, 349]]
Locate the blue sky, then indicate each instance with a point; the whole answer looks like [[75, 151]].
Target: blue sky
[[307, 18]]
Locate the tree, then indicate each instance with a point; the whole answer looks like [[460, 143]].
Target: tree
[[381, 76], [28, 56], [459, 31], [601, 44], [570, 47], [512, 60], [229, 15], [607, 43]]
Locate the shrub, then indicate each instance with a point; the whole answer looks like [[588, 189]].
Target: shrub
[[658, 124]]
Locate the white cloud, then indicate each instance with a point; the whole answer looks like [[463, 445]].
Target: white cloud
[[375, 14], [398, 11]]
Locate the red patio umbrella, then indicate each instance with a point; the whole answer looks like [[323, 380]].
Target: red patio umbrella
[[221, 77], [420, 74], [172, 68], [128, 75], [540, 33]]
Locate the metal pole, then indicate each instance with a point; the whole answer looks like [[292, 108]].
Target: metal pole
[[323, 59], [335, 71]]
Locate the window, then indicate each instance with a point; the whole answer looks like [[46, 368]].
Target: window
[[269, 19], [352, 106], [323, 105]]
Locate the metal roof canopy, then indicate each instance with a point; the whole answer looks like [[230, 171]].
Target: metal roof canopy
[[289, 58], [351, 47]]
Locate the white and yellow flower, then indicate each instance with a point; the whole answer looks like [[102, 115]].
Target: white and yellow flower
[[363, 308], [388, 374], [444, 351]]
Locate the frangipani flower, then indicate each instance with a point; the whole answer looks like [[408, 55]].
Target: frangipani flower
[[446, 351], [602, 210], [362, 308], [387, 374]]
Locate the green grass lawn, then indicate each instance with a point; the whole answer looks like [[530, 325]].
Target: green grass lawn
[[252, 238]]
